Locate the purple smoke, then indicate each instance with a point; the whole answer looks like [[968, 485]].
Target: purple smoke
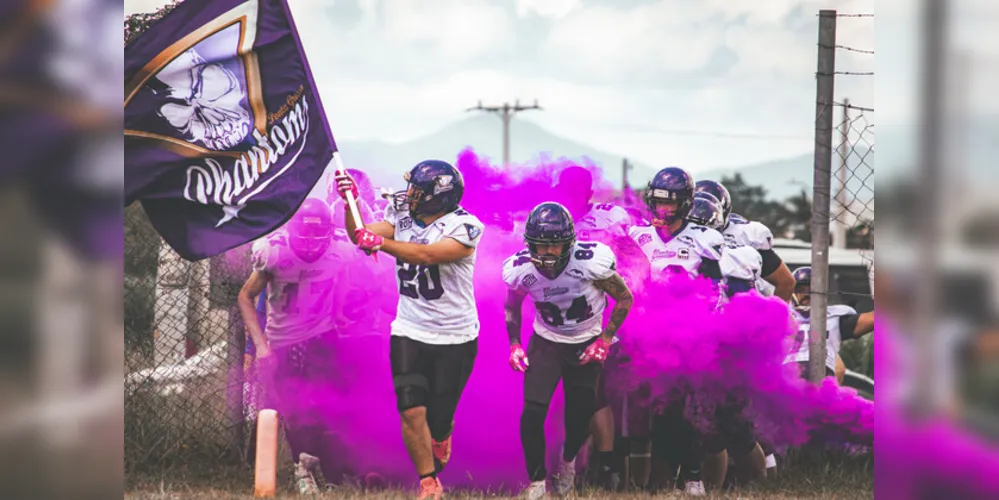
[[673, 332]]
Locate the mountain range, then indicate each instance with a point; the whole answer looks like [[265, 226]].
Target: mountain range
[[384, 161]]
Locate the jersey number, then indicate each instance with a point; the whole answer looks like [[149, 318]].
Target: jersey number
[[319, 294], [428, 281], [578, 312], [584, 252]]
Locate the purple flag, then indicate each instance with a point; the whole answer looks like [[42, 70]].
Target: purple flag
[[225, 134]]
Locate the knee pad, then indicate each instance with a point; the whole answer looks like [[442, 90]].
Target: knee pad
[[409, 396]]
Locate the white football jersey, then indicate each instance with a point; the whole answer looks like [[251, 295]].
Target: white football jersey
[[605, 222], [568, 309], [833, 336], [299, 294], [685, 250], [750, 233], [740, 262], [436, 303]]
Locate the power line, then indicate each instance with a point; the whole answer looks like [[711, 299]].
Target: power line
[[505, 112]]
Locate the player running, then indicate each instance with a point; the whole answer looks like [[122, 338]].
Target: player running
[[435, 334], [608, 224], [777, 278], [842, 323], [740, 265], [569, 282], [674, 245], [298, 267], [736, 436]]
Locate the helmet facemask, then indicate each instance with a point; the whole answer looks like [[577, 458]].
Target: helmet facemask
[[549, 264], [666, 207], [310, 238]]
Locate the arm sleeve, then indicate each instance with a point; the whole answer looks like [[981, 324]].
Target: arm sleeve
[[467, 230], [771, 261], [847, 324], [710, 268]]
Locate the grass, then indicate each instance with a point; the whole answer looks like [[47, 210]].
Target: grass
[[819, 476]]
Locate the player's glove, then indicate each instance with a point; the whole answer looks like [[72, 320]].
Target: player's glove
[[367, 240], [344, 184], [597, 351], [518, 358]]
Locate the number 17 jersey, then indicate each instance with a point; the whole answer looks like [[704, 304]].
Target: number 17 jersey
[[436, 302], [568, 309]]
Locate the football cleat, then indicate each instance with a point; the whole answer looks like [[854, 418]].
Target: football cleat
[[565, 480], [694, 488], [442, 450], [305, 482], [535, 491], [430, 488]]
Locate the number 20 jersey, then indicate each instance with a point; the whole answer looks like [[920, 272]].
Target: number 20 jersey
[[437, 302], [568, 309], [299, 294]]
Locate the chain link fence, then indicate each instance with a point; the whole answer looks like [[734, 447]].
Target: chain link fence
[[188, 403]]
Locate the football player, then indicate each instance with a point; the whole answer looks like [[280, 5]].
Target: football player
[[298, 267], [842, 323], [568, 281], [606, 223], [737, 229], [740, 265], [435, 333], [674, 245]]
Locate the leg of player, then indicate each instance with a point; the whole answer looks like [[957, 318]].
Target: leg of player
[[411, 376], [540, 381], [602, 428], [579, 384], [452, 367]]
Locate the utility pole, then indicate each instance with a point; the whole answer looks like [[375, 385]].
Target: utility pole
[[839, 236], [822, 174], [506, 112], [625, 188]]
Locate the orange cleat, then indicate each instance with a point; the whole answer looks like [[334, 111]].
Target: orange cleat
[[442, 450], [430, 488]]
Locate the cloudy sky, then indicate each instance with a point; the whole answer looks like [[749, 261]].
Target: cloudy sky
[[699, 83]]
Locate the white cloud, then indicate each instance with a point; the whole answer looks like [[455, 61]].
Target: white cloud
[[546, 8], [613, 43]]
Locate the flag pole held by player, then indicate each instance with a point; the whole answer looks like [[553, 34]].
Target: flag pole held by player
[[351, 201]]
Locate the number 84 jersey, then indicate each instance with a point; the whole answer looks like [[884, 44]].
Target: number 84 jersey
[[568, 309]]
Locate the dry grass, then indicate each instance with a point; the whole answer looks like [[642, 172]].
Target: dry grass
[[821, 477]]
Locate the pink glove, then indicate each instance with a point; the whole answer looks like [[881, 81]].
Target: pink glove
[[345, 183], [597, 351], [518, 358], [368, 241]]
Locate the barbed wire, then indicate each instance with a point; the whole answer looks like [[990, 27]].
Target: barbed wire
[[849, 15]]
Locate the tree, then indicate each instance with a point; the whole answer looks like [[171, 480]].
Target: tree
[[751, 202], [136, 24], [799, 215]]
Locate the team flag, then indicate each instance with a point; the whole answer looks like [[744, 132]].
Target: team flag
[[225, 134]]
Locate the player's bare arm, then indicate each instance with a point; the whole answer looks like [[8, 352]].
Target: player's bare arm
[[446, 250], [865, 325], [513, 312], [783, 282], [382, 228], [623, 300], [253, 287]]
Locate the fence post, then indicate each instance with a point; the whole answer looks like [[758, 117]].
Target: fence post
[[824, 108], [171, 307]]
